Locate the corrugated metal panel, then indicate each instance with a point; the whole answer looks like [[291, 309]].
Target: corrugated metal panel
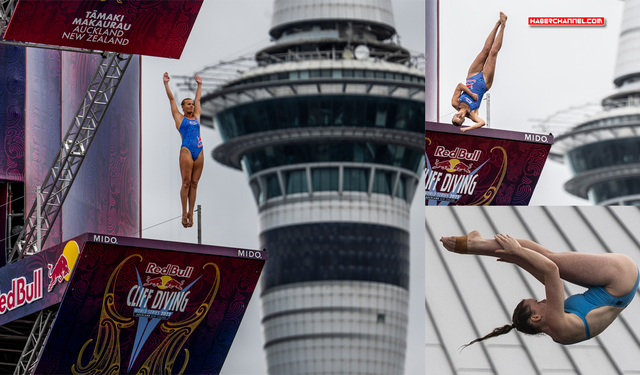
[[468, 296]]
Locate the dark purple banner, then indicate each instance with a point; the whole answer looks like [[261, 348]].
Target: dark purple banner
[[483, 167], [12, 134], [152, 27], [143, 306]]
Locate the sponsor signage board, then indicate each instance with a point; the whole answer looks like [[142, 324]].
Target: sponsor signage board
[[482, 167], [133, 305], [154, 28], [38, 281]]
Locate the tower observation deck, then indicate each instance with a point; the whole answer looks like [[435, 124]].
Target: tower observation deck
[[328, 126]]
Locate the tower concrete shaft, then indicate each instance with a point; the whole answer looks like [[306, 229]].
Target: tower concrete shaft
[[328, 128]]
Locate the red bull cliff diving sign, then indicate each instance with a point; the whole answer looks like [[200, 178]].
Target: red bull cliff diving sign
[[154, 28], [142, 306], [482, 167]]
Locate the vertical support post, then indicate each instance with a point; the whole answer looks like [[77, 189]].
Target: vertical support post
[[199, 225], [38, 218], [488, 110]]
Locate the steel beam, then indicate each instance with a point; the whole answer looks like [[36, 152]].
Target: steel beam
[[72, 152]]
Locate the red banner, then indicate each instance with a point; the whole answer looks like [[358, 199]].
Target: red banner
[[483, 167], [155, 28]]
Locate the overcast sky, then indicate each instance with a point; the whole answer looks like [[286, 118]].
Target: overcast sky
[[226, 29], [540, 70]]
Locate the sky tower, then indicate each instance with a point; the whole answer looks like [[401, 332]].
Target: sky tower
[[328, 127], [603, 152]]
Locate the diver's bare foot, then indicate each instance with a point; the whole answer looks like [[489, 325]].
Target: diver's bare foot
[[475, 244], [503, 18], [190, 217], [185, 220]]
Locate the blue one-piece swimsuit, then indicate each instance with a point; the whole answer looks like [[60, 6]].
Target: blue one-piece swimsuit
[[190, 132], [477, 86], [594, 297]]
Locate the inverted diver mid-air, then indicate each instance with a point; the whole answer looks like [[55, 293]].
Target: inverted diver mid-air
[[467, 97], [612, 281], [191, 156]]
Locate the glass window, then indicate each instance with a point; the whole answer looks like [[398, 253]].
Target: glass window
[[381, 114], [364, 152], [273, 186], [294, 75], [379, 75], [314, 73], [401, 190], [327, 110], [304, 74], [382, 181], [358, 73], [324, 179], [284, 75], [388, 75], [255, 188], [369, 74], [355, 179], [336, 73], [347, 73], [296, 181], [325, 73]]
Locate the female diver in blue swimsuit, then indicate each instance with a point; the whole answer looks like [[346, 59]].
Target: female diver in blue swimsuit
[[191, 156], [612, 280], [466, 99]]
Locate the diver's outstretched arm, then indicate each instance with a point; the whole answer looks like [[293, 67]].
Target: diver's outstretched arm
[[548, 269], [177, 116], [198, 109]]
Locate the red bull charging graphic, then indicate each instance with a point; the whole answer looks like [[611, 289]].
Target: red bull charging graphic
[[486, 167]]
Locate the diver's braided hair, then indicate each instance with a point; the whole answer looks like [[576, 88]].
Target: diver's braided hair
[[521, 322]]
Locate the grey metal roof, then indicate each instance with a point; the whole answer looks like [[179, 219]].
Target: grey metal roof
[[468, 296]]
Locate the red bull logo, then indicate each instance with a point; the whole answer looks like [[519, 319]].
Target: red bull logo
[[64, 265], [169, 270], [22, 292], [445, 164], [458, 153], [462, 167], [164, 282], [452, 165], [58, 272]]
